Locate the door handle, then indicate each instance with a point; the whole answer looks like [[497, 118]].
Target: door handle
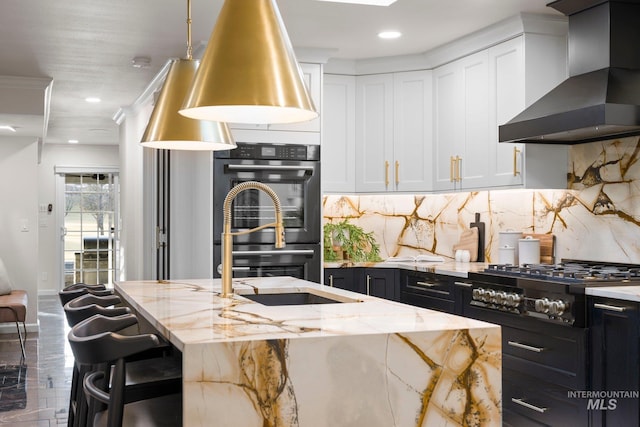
[[368, 284], [386, 173], [452, 161], [516, 172], [609, 307], [526, 347], [521, 402]]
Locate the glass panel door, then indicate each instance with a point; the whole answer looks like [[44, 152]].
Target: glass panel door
[[90, 244]]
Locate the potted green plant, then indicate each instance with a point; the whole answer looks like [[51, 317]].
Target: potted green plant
[[343, 240]]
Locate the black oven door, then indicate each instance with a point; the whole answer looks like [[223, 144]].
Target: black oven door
[[297, 184], [296, 260]]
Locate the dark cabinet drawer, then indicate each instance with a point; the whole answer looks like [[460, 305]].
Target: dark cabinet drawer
[[427, 290], [529, 401], [558, 357], [428, 302], [428, 284]]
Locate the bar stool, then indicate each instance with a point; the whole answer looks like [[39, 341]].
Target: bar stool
[[87, 305], [77, 289], [93, 343], [155, 369]]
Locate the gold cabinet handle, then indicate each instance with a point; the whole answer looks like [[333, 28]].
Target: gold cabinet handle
[[331, 280], [458, 168], [368, 284], [516, 172], [386, 173], [397, 172], [452, 163]]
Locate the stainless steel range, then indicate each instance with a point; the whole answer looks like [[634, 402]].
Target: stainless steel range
[[553, 293], [545, 333]]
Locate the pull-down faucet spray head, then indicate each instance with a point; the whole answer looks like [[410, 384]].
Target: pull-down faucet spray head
[[227, 235]]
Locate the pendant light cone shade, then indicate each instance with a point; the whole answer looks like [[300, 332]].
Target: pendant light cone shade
[[167, 129], [249, 72]]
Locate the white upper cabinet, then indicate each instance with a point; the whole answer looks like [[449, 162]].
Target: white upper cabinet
[[393, 132], [412, 131], [507, 89], [461, 123], [296, 133], [338, 134], [476, 94], [312, 74], [374, 132]]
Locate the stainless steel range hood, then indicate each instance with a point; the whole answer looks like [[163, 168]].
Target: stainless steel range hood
[[601, 98]]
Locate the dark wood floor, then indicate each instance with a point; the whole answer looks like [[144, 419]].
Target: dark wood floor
[[42, 400]]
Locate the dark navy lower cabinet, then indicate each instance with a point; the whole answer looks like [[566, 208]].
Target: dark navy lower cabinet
[[615, 362], [378, 282]]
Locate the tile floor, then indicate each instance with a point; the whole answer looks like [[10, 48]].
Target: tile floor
[[48, 370]]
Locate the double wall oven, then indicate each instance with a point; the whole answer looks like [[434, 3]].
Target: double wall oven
[[293, 172]]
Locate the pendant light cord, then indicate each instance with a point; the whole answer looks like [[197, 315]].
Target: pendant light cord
[[189, 47]]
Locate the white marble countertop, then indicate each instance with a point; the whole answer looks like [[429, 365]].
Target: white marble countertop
[[626, 293], [192, 312], [448, 268]]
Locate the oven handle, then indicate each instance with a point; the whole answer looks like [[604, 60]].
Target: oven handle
[[521, 402], [308, 252], [526, 347], [271, 167]]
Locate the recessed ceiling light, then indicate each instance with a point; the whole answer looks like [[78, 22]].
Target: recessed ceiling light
[[389, 34], [7, 127], [73, 141], [367, 2], [140, 62], [92, 99]]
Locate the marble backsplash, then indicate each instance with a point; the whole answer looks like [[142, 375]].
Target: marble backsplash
[[596, 218]]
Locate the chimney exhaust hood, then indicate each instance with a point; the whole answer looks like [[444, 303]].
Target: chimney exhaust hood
[[601, 98]]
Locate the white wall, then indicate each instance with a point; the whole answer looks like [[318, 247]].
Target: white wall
[[18, 209], [49, 268], [134, 250]]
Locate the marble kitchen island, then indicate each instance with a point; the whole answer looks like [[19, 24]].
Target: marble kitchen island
[[363, 362]]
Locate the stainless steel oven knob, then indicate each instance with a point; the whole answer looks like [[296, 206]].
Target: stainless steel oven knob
[[490, 296], [556, 308], [542, 305], [513, 300], [501, 298], [477, 294]]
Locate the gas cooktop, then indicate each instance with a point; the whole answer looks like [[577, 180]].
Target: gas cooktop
[[571, 272]]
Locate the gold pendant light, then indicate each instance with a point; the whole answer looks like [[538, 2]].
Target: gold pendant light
[[169, 130], [249, 72]]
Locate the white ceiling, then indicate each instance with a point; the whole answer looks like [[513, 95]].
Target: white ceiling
[[86, 46]]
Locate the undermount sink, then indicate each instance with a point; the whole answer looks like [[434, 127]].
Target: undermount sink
[[295, 298]]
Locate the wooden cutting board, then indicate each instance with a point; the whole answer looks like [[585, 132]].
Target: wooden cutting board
[[547, 247]]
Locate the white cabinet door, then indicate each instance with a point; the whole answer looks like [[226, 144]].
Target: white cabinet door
[[447, 116], [507, 99], [374, 132], [412, 136], [338, 134], [473, 166], [301, 133], [312, 74], [461, 123]]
